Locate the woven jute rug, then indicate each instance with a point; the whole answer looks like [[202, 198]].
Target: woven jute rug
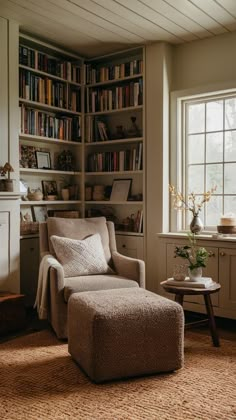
[[39, 380]]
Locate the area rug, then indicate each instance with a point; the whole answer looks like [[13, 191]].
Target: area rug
[[39, 380]]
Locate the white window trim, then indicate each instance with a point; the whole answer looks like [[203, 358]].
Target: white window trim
[[177, 98]]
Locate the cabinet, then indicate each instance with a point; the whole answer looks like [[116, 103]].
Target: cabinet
[[114, 143], [51, 123], [29, 266], [131, 246], [221, 267]]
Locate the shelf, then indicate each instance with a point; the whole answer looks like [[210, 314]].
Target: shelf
[[121, 232], [42, 139], [112, 111], [34, 104], [114, 173], [50, 202], [115, 142], [45, 171], [51, 76], [114, 81], [115, 202]]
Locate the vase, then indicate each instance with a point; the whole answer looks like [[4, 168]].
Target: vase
[[65, 194], [195, 273], [196, 225]]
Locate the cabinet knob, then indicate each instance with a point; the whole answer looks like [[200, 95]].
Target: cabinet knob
[[32, 249], [222, 254], [212, 254], [123, 246]]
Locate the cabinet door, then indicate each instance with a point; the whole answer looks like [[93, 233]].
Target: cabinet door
[[211, 270], [29, 266], [131, 246], [227, 271], [4, 249]]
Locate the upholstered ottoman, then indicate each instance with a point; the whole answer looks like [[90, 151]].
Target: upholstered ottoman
[[124, 332]]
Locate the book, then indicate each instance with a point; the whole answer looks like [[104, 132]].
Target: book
[[202, 283]]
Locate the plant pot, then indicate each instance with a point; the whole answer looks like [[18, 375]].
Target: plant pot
[[195, 274]]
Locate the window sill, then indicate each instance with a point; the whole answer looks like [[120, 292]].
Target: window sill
[[214, 236]]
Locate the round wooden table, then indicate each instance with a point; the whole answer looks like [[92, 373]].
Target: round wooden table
[[180, 292]]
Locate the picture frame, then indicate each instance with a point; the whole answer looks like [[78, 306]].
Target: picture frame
[[120, 189], [40, 213], [50, 189], [43, 160], [26, 214]]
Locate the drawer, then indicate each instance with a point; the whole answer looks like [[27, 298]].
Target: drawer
[[131, 246]]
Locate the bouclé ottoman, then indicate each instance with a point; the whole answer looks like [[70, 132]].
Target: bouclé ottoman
[[125, 332]]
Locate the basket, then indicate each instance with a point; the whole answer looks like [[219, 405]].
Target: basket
[[27, 228]]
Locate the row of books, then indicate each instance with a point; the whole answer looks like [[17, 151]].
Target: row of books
[[123, 160], [99, 100], [40, 123], [48, 91], [113, 72], [96, 129], [43, 62], [138, 222]]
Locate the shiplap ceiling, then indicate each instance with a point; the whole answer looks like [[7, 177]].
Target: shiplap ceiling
[[95, 27]]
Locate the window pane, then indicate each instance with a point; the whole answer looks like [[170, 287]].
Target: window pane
[[230, 145], [196, 118], [229, 204], [229, 178], [196, 148], [214, 209], [230, 113], [214, 116], [214, 176], [196, 179], [214, 147]]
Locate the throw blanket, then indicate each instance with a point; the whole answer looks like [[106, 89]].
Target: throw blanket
[[41, 302]]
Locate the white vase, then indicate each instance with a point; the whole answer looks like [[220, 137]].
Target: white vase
[[195, 273]]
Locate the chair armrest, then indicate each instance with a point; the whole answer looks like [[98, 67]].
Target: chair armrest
[[58, 276], [130, 268]]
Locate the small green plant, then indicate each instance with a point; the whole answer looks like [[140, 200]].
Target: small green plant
[[196, 256]]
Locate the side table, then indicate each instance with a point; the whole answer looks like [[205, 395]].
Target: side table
[[12, 312], [180, 292]]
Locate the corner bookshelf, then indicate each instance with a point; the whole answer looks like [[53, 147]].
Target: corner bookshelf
[[114, 139], [51, 109]]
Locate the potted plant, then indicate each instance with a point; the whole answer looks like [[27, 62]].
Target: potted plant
[[6, 184], [196, 256]]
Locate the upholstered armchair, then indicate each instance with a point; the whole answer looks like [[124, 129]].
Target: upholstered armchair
[[123, 272]]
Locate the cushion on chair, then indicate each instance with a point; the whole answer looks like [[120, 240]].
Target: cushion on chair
[[80, 257], [93, 283], [79, 229]]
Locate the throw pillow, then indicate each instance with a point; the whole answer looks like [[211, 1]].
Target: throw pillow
[[80, 257]]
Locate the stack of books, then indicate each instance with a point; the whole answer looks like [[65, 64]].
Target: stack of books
[[201, 283]]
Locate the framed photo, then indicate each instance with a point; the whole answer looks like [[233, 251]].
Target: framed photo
[[120, 189], [43, 160], [26, 214], [40, 213], [49, 188]]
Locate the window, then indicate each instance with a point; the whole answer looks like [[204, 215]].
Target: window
[[207, 154]]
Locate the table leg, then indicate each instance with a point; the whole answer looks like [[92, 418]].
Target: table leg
[[179, 299], [212, 323]]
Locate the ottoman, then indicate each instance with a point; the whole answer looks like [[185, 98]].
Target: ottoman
[[124, 332]]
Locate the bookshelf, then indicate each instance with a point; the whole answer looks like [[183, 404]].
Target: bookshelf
[[51, 109], [114, 141], [93, 110]]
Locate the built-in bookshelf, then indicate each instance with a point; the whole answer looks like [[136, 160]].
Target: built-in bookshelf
[[82, 127], [51, 108], [114, 139]]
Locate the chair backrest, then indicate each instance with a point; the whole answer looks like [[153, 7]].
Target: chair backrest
[[77, 229]]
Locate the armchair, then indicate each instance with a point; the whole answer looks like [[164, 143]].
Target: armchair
[[127, 272]]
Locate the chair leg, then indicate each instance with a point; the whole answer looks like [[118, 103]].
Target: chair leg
[[212, 323]]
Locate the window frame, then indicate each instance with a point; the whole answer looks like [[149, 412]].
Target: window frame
[[179, 99]]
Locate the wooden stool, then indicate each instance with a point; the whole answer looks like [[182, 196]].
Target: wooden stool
[[12, 312], [179, 297]]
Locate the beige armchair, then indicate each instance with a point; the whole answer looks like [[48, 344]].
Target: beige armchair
[[127, 272]]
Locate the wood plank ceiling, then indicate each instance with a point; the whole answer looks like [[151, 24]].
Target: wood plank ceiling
[[95, 27]]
